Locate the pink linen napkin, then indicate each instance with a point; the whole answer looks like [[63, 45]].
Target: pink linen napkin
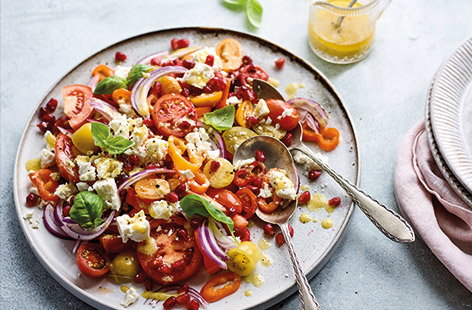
[[437, 213]]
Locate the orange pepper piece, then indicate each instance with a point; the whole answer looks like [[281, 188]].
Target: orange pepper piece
[[225, 96], [200, 184], [176, 149], [102, 71], [244, 110], [327, 139], [220, 286], [45, 184], [207, 100]]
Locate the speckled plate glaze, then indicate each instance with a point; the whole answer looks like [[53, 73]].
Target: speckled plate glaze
[[313, 244], [450, 111]]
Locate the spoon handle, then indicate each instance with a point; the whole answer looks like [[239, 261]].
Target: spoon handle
[[387, 221], [307, 297]]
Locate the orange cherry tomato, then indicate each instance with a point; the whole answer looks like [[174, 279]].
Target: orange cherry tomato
[[202, 111], [138, 203], [244, 110], [207, 100], [226, 198], [225, 95], [102, 72], [121, 94], [112, 243], [45, 184], [152, 188], [230, 53], [214, 289], [200, 184], [91, 260]]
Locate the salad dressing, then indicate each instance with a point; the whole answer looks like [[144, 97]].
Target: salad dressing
[[327, 223], [263, 244], [266, 260], [255, 279]]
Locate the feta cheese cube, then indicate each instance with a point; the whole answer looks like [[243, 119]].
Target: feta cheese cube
[[265, 192], [199, 75], [187, 174], [198, 143], [139, 135], [109, 192], [163, 210], [284, 187], [233, 100], [107, 167], [46, 158], [307, 163], [241, 163], [122, 71], [130, 297], [201, 55], [82, 187], [87, 172], [155, 150], [65, 191], [135, 228], [261, 109]]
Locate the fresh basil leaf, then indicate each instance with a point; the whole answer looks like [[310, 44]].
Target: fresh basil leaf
[[109, 84], [221, 119], [196, 205], [136, 73], [118, 145], [234, 4], [254, 13], [101, 134], [87, 210]]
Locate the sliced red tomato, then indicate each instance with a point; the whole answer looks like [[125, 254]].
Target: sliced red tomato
[[75, 98], [228, 199], [112, 243], [214, 289], [172, 254], [240, 221], [290, 118], [251, 71], [249, 202], [45, 184], [210, 266], [64, 154], [174, 115], [138, 203], [92, 261], [225, 95]]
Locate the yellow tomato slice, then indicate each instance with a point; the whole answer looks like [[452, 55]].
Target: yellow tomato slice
[[244, 110], [207, 100], [230, 53]]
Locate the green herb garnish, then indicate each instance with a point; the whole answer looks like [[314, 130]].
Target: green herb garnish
[[252, 8], [221, 119], [103, 138], [87, 210], [109, 84], [136, 73]]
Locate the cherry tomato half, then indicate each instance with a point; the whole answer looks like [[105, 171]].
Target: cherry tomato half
[[277, 108], [92, 261], [251, 71], [242, 177], [64, 154], [75, 98], [112, 243], [45, 184], [213, 290], [171, 254], [174, 115], [249, 202], [228, 199]]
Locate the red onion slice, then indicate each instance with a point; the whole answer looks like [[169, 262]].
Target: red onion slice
[[141, 175], [108, 111], [212, 242], [312, 107], [141, 88], [76, 246], [220, 143], [76, 232], [50, 223], [224, 241], [207, 249], [146, 60], [93, 82]]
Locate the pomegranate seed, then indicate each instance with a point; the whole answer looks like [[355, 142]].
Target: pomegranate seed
[[210, 60], [120, 57], [189, 64], [45, 116], [172, 197], [156, 61], [66, 210], [269, 229], [181, 189], [183, 289], [184, 43], [247, 60], [32, 200], [334, 202], [148, 285], [216, 84], [165, 269], [174, 44], [279, 63], [140, 277], [179, 265], [185, 92], [51, 105], [288, 139], [169, 303], [127, 167], [314, 175], [207, 90], [134, 160], [192, 305], [304, 197], [279, 238], [182, 234], [43, 126], [215, 165], [260, 156], [183, 299], [148, 122], [252, 121]]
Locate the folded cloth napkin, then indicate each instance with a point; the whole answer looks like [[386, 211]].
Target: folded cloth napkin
[[437, 213]]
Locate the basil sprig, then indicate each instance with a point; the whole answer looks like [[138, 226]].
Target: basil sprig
[[221, 119], [103, 138], [87, 210], [109, 84], [196, 205], [136, 73], [252, 8]]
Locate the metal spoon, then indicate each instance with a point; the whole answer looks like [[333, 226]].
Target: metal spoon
[[387, 221], [341, 18], [281, 158]]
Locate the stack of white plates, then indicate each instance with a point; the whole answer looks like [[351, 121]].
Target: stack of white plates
[[449, 120]]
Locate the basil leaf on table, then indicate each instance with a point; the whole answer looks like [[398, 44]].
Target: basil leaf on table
[[109, 84], [87, 210], [254, 13], [118, 145], [221, 119], [196, 205], [136, 73], [234, 4], [103, 138]]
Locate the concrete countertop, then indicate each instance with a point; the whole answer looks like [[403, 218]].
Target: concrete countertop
[[385, 94]]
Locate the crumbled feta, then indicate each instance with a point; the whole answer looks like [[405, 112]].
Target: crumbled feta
[[135, 228], [163, 210], [124, 126], [268, 121], [155, 150], [284, 187], [64, 191], [139, 135], [29, 217], [107, 167], [233, 100], [308, 163], [130, 297], [277, 126], [56, 176], [241, 163], [87, 172], [199, 145], [187, 174], [109, 192], [125, 108], [286, 112], [261, 109], [265, 191], [46, 158], [83, 187], [199, 75], [201, 55], [122, 71], [34, 190]]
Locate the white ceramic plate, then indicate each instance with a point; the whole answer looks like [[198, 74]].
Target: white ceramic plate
[[450, 109], [313, 244]]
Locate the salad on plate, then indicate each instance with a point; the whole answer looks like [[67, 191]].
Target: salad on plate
[[137, 170]]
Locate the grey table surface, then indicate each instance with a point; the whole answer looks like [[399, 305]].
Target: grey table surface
[[385, 93]]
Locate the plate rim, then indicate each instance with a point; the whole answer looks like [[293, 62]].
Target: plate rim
[[439, 126], [326, 255]]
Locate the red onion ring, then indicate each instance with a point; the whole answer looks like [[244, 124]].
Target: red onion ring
[[142, 174], [93, 82], [311, 106], [146, 60], [220, 143], [76, 246], [50, 223], [212, 242], [108, 111], [207, 249]]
